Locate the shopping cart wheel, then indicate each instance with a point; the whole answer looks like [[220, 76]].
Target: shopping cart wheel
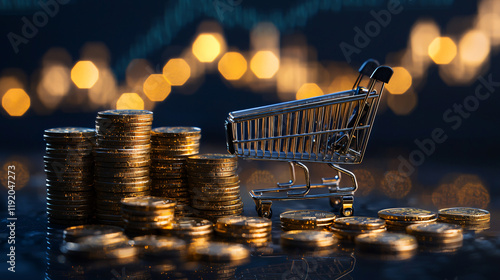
[[347, 208], [346, 211], [264, 209], [336, 203]]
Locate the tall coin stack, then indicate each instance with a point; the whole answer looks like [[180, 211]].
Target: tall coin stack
[[69, 169], [122, 159], [170, 146], [214, 185]]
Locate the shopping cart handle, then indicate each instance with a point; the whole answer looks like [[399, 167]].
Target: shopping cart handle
[[382, 74], [368, 67], [229, 137]]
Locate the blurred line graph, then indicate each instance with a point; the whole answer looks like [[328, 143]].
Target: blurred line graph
[[183, 12]]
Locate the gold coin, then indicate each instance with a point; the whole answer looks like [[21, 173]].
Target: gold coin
[[465, 214], [147, 203], [240, 222], [71, 234], [190, 224], [357, 222], [436, 232], [386, 242], [307, 238], [220, 252], [406, 214], [302, 217]]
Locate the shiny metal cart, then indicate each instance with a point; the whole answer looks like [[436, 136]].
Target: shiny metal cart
[[332, 129]]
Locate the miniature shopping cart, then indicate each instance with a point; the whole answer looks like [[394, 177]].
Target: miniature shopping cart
[[332, 129]]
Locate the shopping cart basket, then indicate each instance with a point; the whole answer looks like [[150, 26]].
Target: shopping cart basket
[[332, 129]]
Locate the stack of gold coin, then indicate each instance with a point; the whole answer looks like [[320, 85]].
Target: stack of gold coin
[[147, 214], [306, 219], [396, 245], [73, 234], [307, 239], [122, 159], [69, 167], [159, 247], [105, 246], [214, 185], [397, 219], [170, 146], [220, 252], [191, 229], [248, 230], [469, 218], [347, 228], [437, 235]]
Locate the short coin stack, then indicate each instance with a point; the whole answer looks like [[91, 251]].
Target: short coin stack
[[192, 229], [220, 252], [397, 219], [347, 228], [248, 230], [307, 239], [469, 218], [170, 146], [393, 245], [306, 219], [159, 247], [122, 159], [73, 234], [147, 214], [108, 245], [437, 235], [214, 185], [69, 168]]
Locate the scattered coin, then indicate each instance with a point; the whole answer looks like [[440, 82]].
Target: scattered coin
[[347, 228], [307, 239], [306, 219], [397, 219], [220, 252]]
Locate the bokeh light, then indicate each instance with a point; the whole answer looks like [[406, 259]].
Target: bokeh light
[[446, 195], [260, 179], [474, 195], [130, 101], [264, 64], [474, 47], [16, 102], [84, 74], [402, 104], [488, 20], [308, 90], [206, 47], [366, 181], [138, 70], [55, 83], [341, 83], [177, 71], [422, 34], [156, 87], [21, 171], [395, 184], [442, 50], [104, 92], [400, 82], [232, 65]]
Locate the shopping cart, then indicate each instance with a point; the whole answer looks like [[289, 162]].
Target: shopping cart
[[332, 129]]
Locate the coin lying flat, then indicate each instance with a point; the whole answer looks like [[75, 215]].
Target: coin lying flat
[[220, 252], [307, 239], [406, 214], [386, 242], [347, 228], [466, 215], [436, 233], [153, 246]]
